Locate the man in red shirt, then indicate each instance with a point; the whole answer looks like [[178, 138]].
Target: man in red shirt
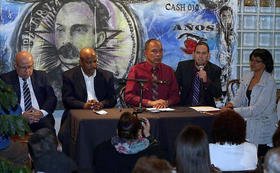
[[161, 88]]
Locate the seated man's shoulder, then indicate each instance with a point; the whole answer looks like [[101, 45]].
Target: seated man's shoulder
[[185, 63], [7, 74], [166, 66], [139, 65], [72, 71], [214, 66], [39, 72]]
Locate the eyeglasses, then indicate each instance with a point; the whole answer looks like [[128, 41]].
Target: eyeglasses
[[255, 61]]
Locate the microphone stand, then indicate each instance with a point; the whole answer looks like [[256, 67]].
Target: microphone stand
[[141, 82], [140, 109]]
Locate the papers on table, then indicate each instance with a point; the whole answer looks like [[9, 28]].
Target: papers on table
[[101, 112], [205, 108], [160, 110]]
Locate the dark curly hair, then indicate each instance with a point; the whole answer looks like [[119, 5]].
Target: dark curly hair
[[229, 127], [266, 58], [128, 126]]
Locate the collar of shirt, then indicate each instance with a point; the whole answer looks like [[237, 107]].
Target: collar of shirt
[[88, 77], [149, 67], [89, 81], [34, 101], [28, 80]]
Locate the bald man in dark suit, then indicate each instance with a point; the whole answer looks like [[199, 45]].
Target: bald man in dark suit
[[43, 99]]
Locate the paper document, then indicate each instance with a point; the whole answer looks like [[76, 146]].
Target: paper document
[[160, 110], [101, 112], [204, 108]]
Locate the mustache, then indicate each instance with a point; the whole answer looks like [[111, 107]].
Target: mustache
[[68, 51]]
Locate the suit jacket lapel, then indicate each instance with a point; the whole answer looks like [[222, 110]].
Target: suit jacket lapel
[[97, 82], [16, 85], [33, 80], [189, 71], [80, 78]]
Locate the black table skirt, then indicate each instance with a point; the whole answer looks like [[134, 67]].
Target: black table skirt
[[84, 130]]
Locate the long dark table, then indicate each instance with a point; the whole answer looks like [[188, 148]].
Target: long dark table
[[88, 129]]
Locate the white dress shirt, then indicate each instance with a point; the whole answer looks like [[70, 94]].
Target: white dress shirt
[[90, 86], [34, 101], [234, 157]]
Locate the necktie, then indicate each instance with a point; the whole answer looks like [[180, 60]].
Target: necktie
[[155, 85], [196, 90], [26, 96]]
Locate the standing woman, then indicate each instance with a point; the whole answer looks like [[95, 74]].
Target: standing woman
[[255, 100]]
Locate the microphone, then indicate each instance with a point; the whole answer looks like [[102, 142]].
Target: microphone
[[201, 67], [160, 81]]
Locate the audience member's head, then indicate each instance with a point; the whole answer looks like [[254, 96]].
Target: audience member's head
[[276, 136], [41, 142], [128, 126], [272, 161], [42, 147], [264, 57], [229, 127], [55, 161], [192, 151], [152, 165]]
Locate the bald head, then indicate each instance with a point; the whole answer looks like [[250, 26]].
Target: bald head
[[24, 64], [87, 52], [23, 56], [88, 60]]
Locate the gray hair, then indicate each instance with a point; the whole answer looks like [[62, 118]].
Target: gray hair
[[272, 161]]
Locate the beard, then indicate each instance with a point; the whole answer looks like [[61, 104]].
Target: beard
[[69, 56]]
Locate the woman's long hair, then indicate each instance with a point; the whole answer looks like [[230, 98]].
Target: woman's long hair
[[192, 151]]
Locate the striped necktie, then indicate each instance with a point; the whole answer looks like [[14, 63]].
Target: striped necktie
[[196, 90], [26, 96], [155, 85]]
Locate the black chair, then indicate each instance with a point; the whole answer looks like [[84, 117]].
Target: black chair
[[231, 88], [121, 98]]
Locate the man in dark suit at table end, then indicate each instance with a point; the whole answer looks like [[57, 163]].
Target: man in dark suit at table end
[[35, 95], [86, 86], [198, 79], [161, 90]]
